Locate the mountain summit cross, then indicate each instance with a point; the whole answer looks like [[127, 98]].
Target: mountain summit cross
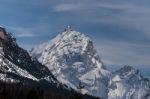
[[68, 28]]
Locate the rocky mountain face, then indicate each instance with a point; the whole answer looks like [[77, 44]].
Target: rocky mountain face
[[128, 83], [16, 60], [73, 60]]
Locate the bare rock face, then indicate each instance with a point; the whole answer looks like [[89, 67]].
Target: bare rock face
[[2, 33]]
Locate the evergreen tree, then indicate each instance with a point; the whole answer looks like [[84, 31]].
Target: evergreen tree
[[80, 87]]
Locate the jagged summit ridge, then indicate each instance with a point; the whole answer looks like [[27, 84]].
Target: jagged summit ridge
[[127, 71]]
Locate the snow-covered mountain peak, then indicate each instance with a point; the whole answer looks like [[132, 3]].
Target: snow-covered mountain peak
[[71, 38], [72, 59], [127, 71], [128, 83], [69, 43], [128, 68]]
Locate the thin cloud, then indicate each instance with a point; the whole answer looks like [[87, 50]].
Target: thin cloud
[[123, 53], [125, 14], [21, 32], [67, 7]]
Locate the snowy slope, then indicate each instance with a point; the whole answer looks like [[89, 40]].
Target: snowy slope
[[73, 60], [128, 83], [16, 64], [9, 67]]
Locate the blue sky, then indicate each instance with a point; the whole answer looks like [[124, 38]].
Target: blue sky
[[119, 28]]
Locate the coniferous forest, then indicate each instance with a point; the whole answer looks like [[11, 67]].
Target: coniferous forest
[[26, 91]]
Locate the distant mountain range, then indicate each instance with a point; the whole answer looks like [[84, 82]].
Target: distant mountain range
[[69, 63], [73, 60]]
